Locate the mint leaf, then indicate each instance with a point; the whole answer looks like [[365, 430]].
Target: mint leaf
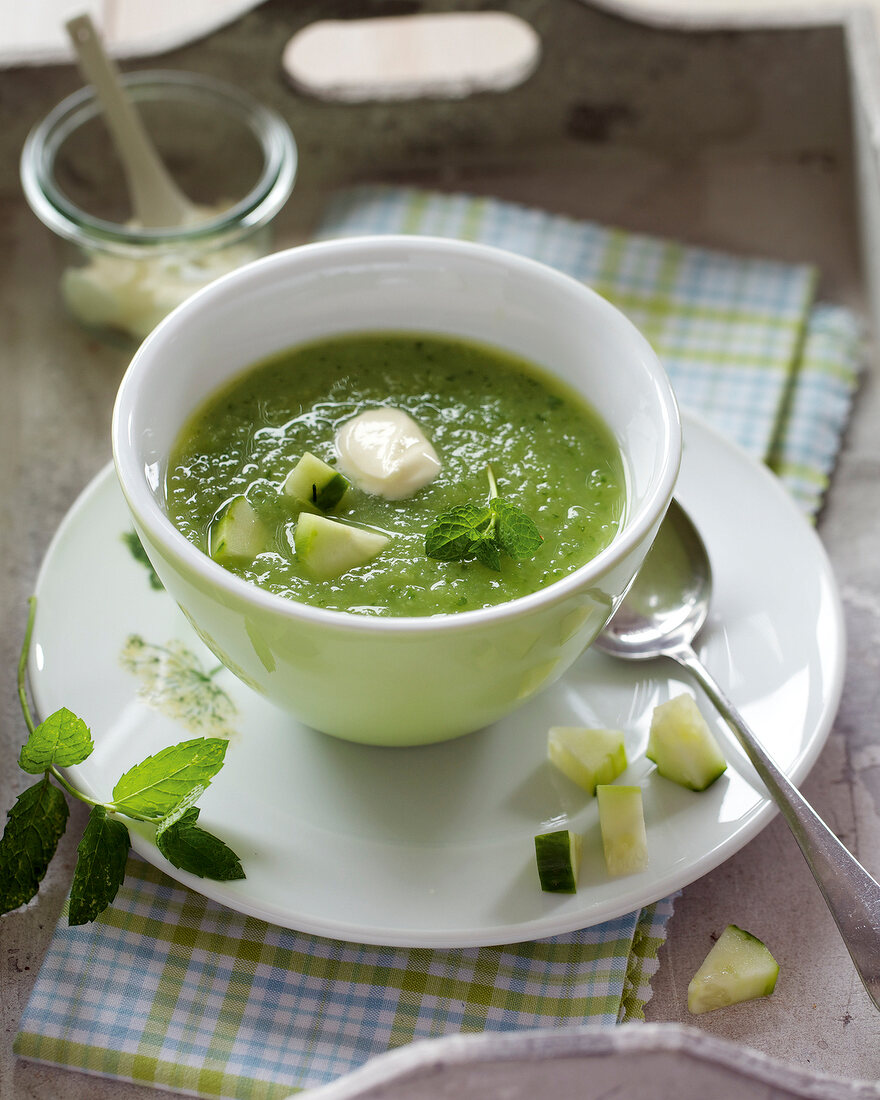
[[137, 551], [484, 532], [191, 848], [100, 866], [34, 826], [515, 533], [153, 788], [486, 551], [185, 803], [452, 534], [61, 739]]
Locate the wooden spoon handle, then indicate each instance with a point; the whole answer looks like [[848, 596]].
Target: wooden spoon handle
[[157, 200]]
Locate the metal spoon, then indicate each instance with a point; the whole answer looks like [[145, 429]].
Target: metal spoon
[[660, 617]]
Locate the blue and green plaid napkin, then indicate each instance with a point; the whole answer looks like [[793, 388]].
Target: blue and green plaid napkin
[[170, 989], [743, 340]]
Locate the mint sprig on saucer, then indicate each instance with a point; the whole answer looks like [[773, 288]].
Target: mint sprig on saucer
[[161, 790], [483, 531]]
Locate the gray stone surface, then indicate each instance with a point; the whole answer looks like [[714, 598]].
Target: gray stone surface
[[739, 141]]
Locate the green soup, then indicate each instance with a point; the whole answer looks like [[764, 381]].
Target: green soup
[[550, 454]]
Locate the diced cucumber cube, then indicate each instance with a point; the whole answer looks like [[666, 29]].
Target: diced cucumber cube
[[328, 548], [622, 823], [682, 745], [312, 481], [237, 534], [587, 756], [558, 855], [738, 968]]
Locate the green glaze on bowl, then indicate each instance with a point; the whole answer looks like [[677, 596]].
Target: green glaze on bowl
[[385, 680]]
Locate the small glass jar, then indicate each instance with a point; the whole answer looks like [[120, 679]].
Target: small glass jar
[[234, 158]]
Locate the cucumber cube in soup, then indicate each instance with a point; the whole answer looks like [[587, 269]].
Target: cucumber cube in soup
[[237, 534], [682, 745], [587, 756], [328, 548], [314, 482], [738, 968], [622, 823], [558, 855]]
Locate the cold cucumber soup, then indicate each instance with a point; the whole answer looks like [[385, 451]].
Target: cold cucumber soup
[[397, 474]]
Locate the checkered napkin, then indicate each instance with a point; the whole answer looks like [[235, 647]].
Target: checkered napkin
[[742, 339], [173, 990]]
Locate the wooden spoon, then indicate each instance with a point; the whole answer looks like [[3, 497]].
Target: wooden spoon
[[156, 198]]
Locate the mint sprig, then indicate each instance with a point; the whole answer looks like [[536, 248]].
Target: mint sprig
[[160, 790], [483, 531]]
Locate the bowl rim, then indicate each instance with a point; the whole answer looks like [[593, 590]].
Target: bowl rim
[[174, 545], [254, 209]]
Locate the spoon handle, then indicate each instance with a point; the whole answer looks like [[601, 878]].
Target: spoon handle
[[849, 891], [156, 198]]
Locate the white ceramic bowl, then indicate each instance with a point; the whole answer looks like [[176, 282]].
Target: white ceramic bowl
[[396, 681]]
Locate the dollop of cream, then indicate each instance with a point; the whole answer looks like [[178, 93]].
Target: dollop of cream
[[384, 451], [133, 294]]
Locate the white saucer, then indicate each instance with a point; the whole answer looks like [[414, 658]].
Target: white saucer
[[434, 846]]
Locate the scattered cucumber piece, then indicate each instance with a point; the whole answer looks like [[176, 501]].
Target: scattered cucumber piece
[[558, 855], [237, 533], [738, 968], [587, 756], [682, 745], [314, 482], [328, 548], [622, 822]]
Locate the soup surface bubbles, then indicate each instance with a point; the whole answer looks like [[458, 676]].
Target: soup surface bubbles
[[549, 452]]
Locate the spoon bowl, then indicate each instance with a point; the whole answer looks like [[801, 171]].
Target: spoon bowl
[[669, 600], [660, 616]]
